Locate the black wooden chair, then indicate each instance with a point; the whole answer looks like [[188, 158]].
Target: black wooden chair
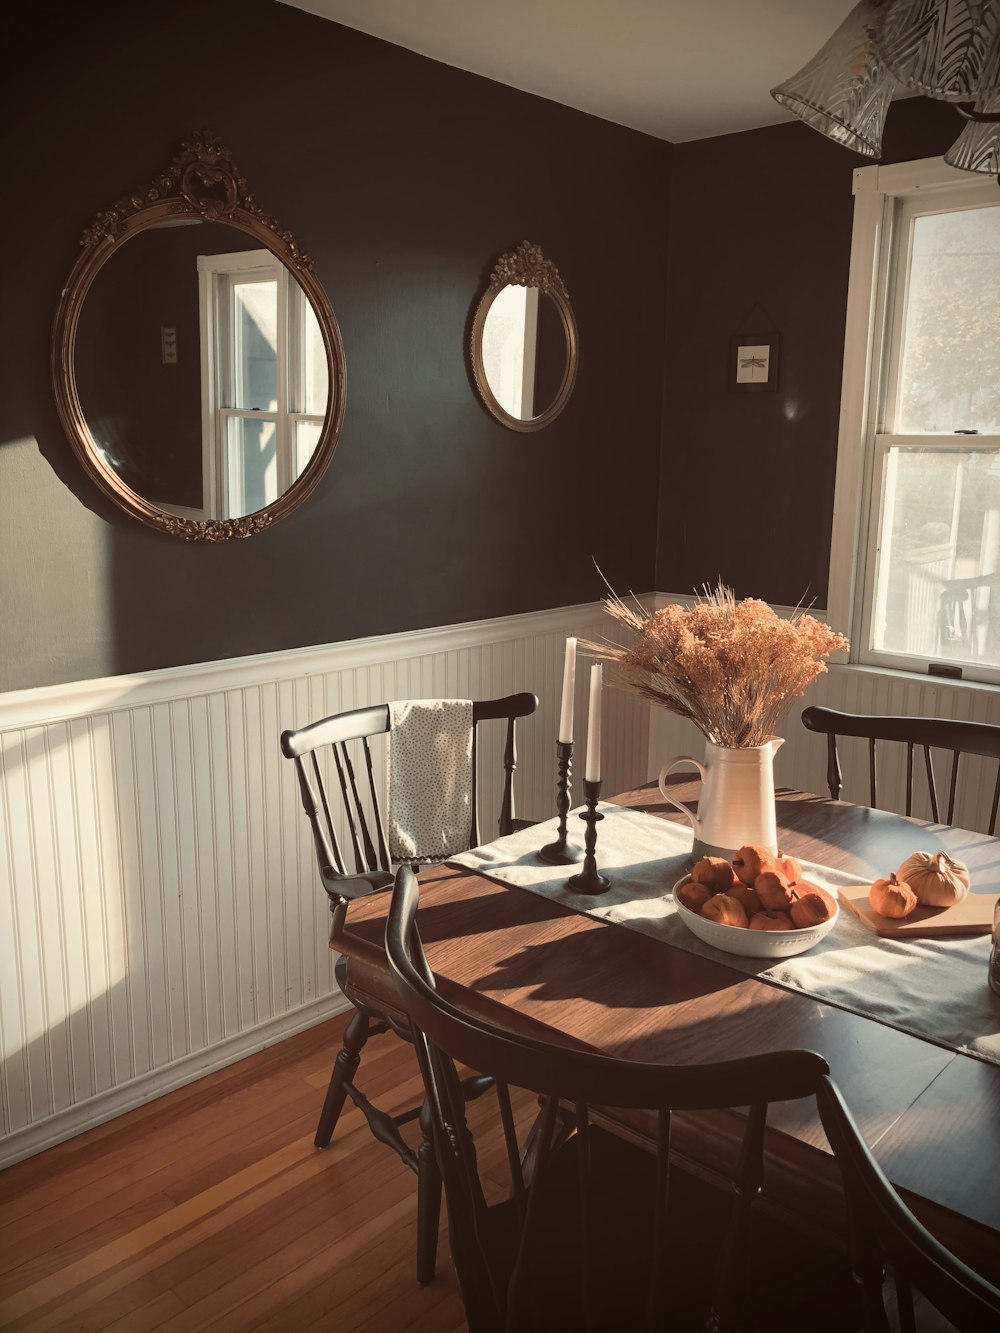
[[884, 1231], [978, 738], [363, 984], [588, 1242]]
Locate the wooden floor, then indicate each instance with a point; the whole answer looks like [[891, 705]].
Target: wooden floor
[[211, 1209]]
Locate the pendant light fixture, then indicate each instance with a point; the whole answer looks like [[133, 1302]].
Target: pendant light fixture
[[948, 50]]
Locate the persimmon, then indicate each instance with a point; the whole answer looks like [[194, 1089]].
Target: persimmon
[[693, 896], [809, 909], [746, 897], [774, 891], [804, 886], [771, 921], [715, 872], [789, 867], [725, 909], [752, 860]]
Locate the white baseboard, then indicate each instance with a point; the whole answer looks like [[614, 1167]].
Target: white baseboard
[[158, 1082]]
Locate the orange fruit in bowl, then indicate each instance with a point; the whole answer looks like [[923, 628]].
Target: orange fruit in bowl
[[693, 896], [714, 871], [750, 861], [747, 898], [724, 909], [774, 891], [809, 909], [769, 920]]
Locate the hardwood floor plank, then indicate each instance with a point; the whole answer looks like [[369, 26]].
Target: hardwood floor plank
[[147, 1138], [147, 1317], [211, 1209]]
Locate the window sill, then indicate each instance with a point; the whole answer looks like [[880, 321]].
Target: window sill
[[858, 669]]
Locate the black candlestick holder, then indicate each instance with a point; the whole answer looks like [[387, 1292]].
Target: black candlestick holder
[[562, 852], [589, 879]]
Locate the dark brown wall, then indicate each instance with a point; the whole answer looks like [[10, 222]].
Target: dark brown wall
[[761, 219], [405, 179]]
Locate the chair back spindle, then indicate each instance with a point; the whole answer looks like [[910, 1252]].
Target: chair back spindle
[[959, 738]]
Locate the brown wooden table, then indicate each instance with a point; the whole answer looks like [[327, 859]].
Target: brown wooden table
[[932, 1116]]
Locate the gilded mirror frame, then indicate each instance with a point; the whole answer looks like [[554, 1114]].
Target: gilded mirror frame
[[525, 266], [202, 181]]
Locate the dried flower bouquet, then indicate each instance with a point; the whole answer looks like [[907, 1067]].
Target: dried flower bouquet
[[732, 667]]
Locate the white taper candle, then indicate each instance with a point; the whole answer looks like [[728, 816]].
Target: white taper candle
[[593, 772], [569, 689]]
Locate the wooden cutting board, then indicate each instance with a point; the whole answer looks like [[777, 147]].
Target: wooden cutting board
[[973, 916]]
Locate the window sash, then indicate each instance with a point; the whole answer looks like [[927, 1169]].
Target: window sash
[[881, 194], [876, 572]]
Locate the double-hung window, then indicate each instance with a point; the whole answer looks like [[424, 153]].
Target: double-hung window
[[915, 567], [264, 381]]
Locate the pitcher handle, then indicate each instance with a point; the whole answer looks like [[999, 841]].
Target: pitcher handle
[[668, 768]]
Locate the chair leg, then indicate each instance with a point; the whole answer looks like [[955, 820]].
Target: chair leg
[[428, 1201], [344, 1068]]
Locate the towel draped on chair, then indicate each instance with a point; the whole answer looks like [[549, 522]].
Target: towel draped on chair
[[429, 759]]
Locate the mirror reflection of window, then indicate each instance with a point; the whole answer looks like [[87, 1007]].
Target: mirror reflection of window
[[255, 334], [264, 383], [510, 337]]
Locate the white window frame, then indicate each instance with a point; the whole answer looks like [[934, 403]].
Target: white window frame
[[882, 207], [215, 277]]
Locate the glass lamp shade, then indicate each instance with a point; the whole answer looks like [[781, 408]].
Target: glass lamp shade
[[977, 148], [945, 49], [845, 90]]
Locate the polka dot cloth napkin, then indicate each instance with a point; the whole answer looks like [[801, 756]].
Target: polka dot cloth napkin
[[429, 757]]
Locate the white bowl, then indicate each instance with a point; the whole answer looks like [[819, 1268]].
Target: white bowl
[[752, 943]]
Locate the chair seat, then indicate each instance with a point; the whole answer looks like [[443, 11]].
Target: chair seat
[[372, 988]]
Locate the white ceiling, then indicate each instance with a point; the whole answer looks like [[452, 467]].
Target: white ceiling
[[678, 69]]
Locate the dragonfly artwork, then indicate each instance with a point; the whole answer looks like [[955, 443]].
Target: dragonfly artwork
[[753, 364]]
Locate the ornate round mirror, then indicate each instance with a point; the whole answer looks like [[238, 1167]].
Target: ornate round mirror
[[197, 364], [524, 341]]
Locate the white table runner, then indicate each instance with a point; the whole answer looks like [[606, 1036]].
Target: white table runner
[[930, 988]]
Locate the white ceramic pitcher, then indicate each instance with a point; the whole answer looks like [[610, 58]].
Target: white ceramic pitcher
[[736, 803]]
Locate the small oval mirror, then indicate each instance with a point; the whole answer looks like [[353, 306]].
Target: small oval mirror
[[524, 341]]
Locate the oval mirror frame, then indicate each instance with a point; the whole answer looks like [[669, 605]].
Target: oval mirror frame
[[203, 182], [525, 266]]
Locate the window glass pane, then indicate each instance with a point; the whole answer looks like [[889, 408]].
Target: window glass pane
[[509, 335], [255, 328], [252, 465], [950, 368], [314, 363], [938, 576], [306, 440]]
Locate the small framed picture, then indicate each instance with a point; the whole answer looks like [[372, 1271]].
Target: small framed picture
[[753, 362]]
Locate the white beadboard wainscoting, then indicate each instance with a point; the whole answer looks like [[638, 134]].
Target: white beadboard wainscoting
[[160, 914]]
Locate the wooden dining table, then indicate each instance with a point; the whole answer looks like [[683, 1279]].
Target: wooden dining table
[[931, 1114]]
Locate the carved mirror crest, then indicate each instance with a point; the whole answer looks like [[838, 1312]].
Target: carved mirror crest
[[197, 363], [524, 341]]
